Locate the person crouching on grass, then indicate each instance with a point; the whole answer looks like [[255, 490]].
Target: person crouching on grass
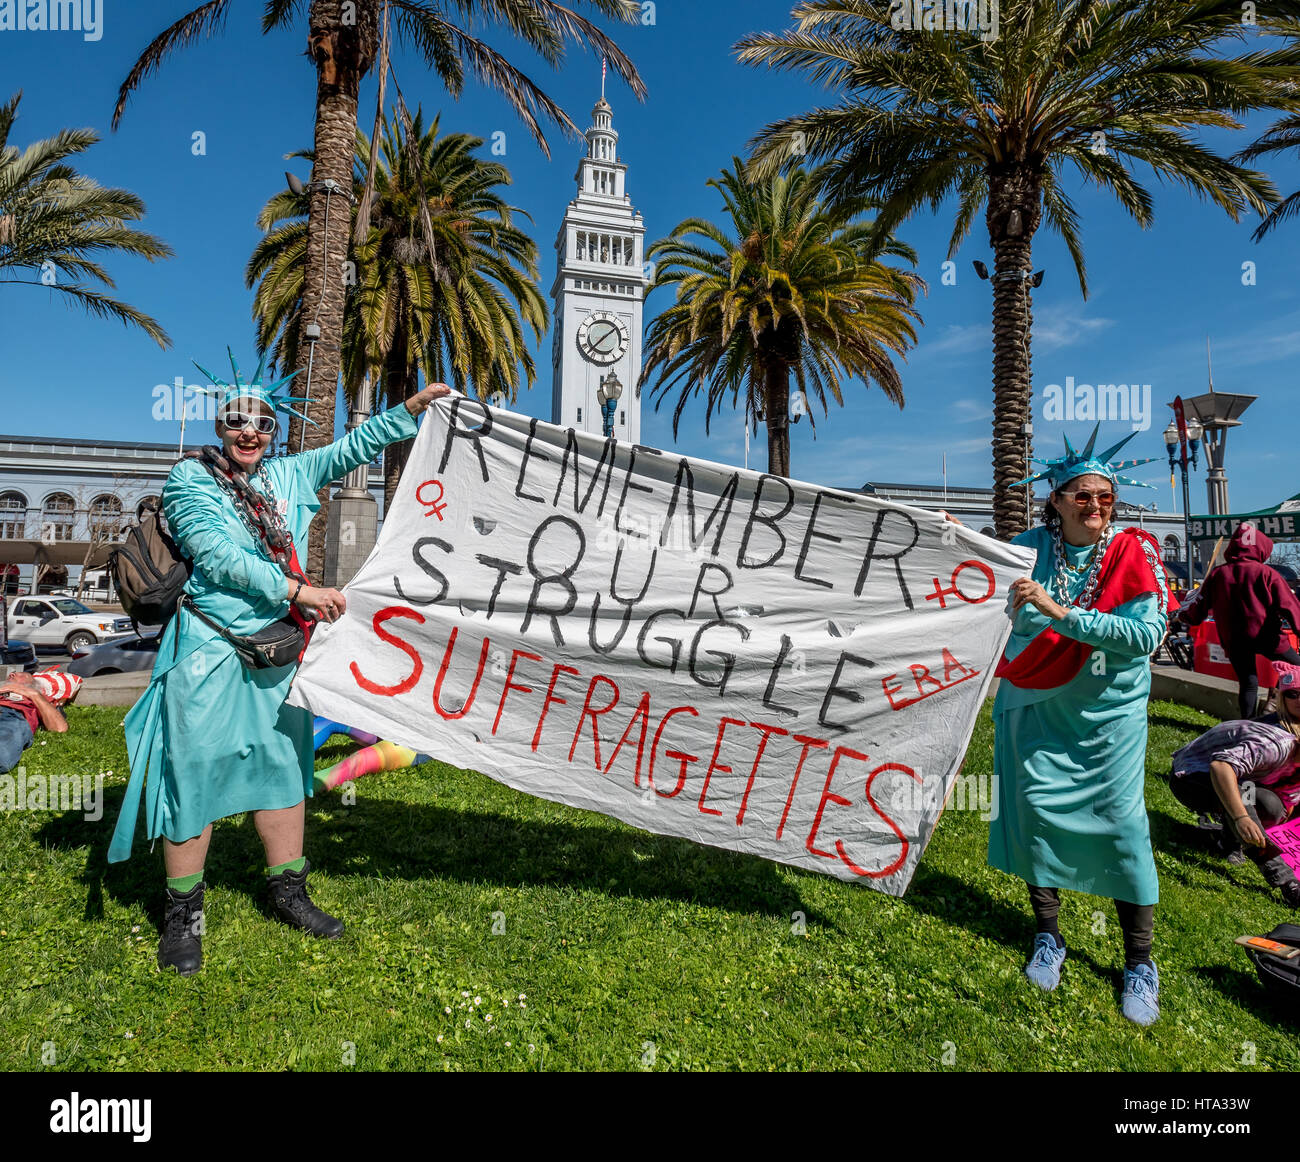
[[212, 736], [1246, 773]]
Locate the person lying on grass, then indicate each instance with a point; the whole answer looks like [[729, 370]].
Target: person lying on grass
[[28, 703], [1247, 773]]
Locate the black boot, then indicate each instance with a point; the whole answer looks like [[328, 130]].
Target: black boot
[[289, 902], [181, 946], [1227, 844], [1279, 875]]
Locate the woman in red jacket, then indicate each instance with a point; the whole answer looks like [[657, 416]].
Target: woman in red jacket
[[1249, 601]]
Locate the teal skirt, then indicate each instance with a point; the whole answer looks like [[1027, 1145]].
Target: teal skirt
[[211, 738], [1071, 807]]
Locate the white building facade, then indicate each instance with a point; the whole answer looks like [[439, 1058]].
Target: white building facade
[[65, 502], [599, 294]]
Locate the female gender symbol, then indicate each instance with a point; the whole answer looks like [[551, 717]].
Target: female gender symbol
[[954, 591], [434, 508]]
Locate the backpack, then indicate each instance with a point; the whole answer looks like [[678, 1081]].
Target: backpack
[[1280, 977], [149, 571]]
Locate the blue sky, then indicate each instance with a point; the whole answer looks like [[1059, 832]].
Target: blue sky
[[1155, 295]]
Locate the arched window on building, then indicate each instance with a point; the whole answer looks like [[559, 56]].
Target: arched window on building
[[13, 516], [57, 516], [1173, 550], [151, 501], [105, 517]]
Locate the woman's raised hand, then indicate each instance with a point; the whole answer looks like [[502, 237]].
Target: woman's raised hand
[[324, 604], [421, 400], [1029, 591]]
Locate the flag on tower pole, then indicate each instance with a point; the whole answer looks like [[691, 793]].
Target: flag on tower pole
[[604, 62]]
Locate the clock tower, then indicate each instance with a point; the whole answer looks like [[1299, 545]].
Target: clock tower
[[599, 291]]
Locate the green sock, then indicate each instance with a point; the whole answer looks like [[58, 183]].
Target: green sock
[[184, 884], [294, 865]]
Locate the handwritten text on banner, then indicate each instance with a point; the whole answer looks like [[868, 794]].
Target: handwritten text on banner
[[722, 655]]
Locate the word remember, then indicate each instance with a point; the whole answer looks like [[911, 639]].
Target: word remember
[[1126, 402], [84, 16]]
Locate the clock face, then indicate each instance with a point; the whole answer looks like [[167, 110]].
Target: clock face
[[602, 337]]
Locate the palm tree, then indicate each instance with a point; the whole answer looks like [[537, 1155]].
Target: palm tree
[[344, 38], [1282, 135], [794, 290], [1096, 83], [52, 219], [460, 319]]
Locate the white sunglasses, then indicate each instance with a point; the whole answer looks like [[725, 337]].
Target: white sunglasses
[[238, 421]]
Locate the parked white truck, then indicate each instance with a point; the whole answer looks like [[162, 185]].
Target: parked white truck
[[61, 621]]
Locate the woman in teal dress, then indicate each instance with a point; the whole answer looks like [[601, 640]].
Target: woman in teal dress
[[1070, 721], [211, 737]]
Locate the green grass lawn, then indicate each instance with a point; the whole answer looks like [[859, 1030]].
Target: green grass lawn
[[619, 949]]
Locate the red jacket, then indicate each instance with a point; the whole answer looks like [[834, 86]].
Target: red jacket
[[1249, 600]]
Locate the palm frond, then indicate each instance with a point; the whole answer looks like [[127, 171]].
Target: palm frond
[[203, 21]]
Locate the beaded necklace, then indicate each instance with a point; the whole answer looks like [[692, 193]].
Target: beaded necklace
[[259, 511], [1092, 565]]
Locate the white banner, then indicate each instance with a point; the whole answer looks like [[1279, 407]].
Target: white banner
[[722, 655]]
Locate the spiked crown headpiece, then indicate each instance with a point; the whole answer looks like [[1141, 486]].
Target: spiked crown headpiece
[[228, 393], [1085, 463]]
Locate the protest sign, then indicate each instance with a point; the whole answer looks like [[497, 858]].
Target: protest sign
[[1286, 838], [722, 655]]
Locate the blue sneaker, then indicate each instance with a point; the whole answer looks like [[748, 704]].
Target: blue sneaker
[[1140, 1002], [1044, 967]]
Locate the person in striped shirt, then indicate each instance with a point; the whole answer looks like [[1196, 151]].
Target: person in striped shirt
[[28, 703]]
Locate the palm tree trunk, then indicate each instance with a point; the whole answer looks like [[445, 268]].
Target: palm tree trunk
[[776, 402], [1014, 209], [343, 51], [402, 382]]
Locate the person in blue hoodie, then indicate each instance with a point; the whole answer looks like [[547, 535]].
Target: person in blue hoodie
[[212, 737]]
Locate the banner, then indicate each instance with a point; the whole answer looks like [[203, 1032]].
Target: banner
[[1281, 523], [721, 655]]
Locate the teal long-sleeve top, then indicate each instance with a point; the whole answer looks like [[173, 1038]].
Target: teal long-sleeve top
[[1121, 639], [1070, 761], [234, 580], [210, 738]]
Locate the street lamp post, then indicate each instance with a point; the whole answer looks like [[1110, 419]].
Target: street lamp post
[[180, 447], [1027, 431], [1142, 510], [1216, 412], [1176, 438], [607, 396]]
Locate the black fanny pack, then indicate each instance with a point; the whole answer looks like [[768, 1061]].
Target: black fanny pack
[[279, 644]]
